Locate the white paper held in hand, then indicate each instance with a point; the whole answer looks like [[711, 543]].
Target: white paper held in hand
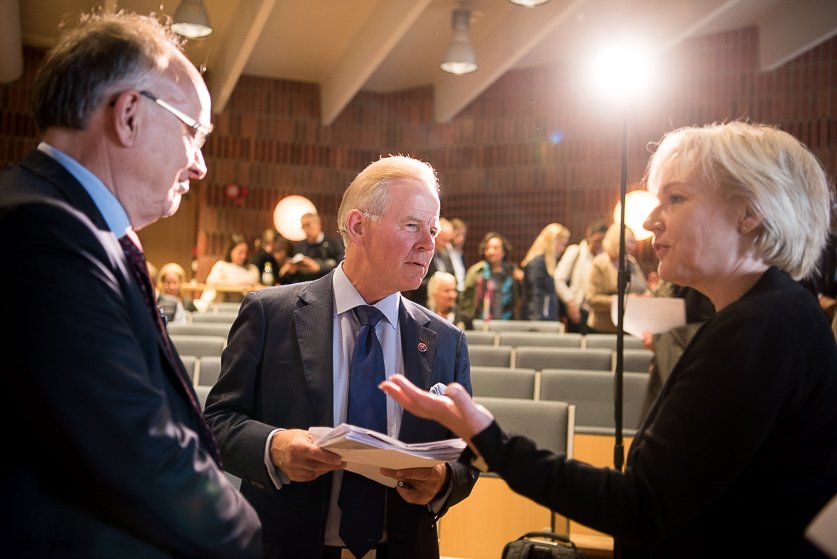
[[366, 451]]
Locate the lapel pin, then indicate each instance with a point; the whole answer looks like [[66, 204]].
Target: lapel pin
[[422, 347]]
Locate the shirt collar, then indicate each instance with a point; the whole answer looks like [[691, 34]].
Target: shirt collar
[[346, 298], [105, 201]]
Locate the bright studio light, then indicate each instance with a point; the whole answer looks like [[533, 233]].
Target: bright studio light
[[288, 213], [622, 73], [638, 204]]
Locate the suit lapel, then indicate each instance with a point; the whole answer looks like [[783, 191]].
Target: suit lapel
[[314, 332], [418, 349]]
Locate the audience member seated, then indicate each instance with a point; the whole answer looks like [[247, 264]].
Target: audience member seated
[[232, 270], [491, 290], [314, 256], [169, 298], [442, 295], [602, 279], [540, 301]]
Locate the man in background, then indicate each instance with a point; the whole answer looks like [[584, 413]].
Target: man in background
[[457, 252], [108, 454], [314, 256], [291, 365]]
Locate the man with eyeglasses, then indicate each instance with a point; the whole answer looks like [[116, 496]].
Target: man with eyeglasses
[[108, 454]]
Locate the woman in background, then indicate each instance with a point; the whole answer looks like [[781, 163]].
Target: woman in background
[[741, 445], [491, 290], [602, 278], [232, 270], [540, 300]]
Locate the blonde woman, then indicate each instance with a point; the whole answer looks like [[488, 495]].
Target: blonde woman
[[742, 440], [540, 300], [602, 282]]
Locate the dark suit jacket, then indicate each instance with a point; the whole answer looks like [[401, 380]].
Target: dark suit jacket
[[277, 372], [102, 455]]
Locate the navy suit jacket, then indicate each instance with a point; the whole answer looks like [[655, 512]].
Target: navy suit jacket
[[277, 371], [104, 457]]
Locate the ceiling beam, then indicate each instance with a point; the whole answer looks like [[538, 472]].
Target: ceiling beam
[[232, 53], [499, 49], [370, 46], [793, 28]]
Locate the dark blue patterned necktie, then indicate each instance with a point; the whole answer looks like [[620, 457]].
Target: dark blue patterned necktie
[[139, 269], [361, 499]]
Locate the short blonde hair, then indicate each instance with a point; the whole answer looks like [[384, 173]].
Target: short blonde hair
[[781, 181], [368, 191], [610, 243], [433, 283], [544, 244], [170, 268]]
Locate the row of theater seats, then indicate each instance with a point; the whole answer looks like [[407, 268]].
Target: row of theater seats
[[516, 364], [591, 391]]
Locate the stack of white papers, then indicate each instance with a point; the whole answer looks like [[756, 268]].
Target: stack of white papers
[[366, 451]]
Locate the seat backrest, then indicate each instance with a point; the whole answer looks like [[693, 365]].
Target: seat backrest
[[223, 317], [503, 382], [200, 346], [608, 341], [480, 338], [200, 329], [525, 326], [538, 358], [490, 356], [538, 339], [636, 360], [550, 424], [189, 362], [224, 308], [209, 371], [592, 394]]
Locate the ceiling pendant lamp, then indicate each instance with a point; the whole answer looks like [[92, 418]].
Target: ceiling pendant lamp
[[529, 3], [191, 20], [460, 57]]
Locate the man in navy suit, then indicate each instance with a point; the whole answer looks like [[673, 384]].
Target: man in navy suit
[[108, 455], [286, 369]]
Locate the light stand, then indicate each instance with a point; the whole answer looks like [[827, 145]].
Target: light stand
[[622, 281]]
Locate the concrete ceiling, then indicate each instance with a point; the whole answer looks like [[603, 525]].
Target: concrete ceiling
[[388, 45]]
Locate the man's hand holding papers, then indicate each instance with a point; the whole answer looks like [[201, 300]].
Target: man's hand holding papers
[[419, 466]]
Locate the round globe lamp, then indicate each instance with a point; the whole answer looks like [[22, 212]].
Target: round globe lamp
[[289, 212], [638, 204]]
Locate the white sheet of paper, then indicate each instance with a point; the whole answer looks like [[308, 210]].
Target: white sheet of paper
[[823, 530], [651, 314], [366, 452]]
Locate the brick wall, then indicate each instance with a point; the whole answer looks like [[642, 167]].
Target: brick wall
[[533, 148]]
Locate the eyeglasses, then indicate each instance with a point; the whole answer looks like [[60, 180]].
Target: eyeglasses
[[200, 131]]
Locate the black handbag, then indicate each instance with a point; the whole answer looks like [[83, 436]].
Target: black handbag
[[556, 546]]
